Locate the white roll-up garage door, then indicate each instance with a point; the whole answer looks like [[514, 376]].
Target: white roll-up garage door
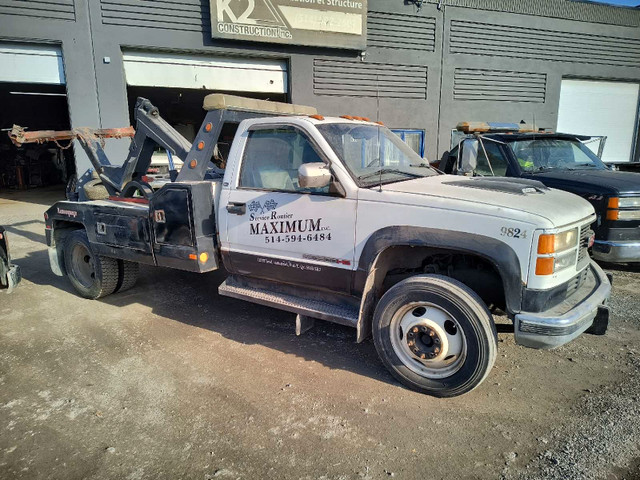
[[24, 63], [144, 69], [601, 108]]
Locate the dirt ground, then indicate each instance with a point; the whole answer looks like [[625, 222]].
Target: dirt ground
[[169, 380]]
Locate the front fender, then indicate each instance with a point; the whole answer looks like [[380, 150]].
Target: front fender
[[503, 258]]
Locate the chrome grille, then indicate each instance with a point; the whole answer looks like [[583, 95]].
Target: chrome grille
[[583, 246]]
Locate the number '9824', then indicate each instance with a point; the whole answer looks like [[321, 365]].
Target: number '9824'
[[513, 232]]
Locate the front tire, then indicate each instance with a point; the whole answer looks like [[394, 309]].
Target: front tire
[[435, 335], [93, 276]]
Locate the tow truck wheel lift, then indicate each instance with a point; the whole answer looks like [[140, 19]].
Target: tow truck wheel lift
[[173, 226]]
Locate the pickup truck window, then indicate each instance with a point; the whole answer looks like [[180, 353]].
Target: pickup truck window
[[272, 157], [373, 154], [499, 163], [543, 154]]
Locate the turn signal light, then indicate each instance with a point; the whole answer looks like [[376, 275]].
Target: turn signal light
[[193, 256], [546, 244], [614, 202], [613, 214], [544, 266]]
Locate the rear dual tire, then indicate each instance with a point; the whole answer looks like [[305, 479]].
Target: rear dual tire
[[435, 335], [95, 276]]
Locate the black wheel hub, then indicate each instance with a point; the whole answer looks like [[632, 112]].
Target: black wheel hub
[[424, 342]]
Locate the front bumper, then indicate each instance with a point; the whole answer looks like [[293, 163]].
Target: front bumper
[[560, 325], [616, 252]]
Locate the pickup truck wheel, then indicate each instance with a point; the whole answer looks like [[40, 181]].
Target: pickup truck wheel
[[127, 275], [93, 276], [435, 335]]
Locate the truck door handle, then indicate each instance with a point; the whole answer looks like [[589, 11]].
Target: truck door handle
[[237, 208]]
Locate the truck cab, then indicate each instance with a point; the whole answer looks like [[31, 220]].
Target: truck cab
[[337, 219], [562, 161]]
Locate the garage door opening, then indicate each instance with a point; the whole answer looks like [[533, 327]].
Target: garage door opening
[[38, 107], [177, 85], [598, 108], [33, 95]]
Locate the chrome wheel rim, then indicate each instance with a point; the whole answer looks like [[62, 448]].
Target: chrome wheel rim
[[428, 340], [83, 265]]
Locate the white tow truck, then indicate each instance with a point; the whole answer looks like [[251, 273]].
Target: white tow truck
[[337, 219]]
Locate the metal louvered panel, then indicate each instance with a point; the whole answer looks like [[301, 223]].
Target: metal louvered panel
[[357, 79], [565, 9], [551, 45], [499, 85], [186, 15], [55, 10], [390, 30]]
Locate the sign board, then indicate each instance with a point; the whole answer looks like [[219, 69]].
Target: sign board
[[320, 23]]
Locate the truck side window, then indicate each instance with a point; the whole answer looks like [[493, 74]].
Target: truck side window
[[498, 161], [272, 158]]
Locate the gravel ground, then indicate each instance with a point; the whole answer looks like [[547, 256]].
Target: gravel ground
[[604, 440], [169, 380]]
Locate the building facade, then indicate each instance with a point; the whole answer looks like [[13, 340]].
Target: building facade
[[418, 66]]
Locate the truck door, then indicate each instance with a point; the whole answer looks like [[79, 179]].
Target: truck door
[[278, 230]]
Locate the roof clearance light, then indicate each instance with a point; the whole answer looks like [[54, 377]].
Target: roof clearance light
[[317, 117], [495, 127]]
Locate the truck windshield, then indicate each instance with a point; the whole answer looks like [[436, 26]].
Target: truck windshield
[[373, 154], [543, 154]]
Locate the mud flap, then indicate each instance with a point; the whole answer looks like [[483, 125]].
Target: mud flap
[[601, 322], [13, 277]]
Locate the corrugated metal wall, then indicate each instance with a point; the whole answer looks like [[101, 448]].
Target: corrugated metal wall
[[58, 10]]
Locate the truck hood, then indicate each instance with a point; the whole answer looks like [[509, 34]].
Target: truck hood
[[497, 196], [595, 181]]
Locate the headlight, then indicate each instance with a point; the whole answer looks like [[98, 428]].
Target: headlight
[[559, 242], [615, 205], [556, 251], [628, 202]]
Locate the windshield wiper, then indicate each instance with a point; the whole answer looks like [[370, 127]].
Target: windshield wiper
[[382, 171], [543, 169]]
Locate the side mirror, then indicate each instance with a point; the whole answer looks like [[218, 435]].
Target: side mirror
[[469, 157], [314, 175]]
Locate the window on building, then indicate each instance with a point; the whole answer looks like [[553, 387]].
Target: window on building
[[413, 138]]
